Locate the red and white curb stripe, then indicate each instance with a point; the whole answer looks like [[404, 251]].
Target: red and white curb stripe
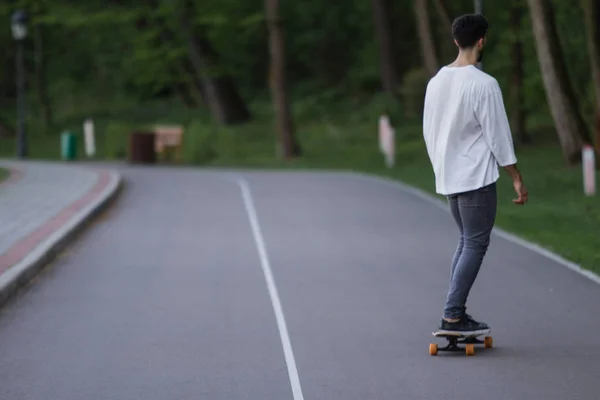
[[27, 256]]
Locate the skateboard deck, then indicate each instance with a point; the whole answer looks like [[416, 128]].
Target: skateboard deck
[[455, 339]]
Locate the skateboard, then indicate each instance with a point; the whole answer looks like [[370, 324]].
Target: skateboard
[[455, 339]]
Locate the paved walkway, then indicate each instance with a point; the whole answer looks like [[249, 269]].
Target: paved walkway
[[288, 286], [39, 202]]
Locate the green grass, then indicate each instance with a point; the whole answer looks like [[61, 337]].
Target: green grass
[[4, 173], [343, 136]]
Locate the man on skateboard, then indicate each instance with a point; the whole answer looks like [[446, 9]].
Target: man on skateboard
[[468, 136]]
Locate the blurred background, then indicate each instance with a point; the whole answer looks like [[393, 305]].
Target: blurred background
[[268, 83]]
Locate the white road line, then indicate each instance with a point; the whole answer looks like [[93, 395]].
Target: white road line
[[266, 267]]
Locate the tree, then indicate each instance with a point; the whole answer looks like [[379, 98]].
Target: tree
[[277, 82], [186, 85], [40, 74], [430, 60], [386, 51], [444, 12], [221, 94], [592, 22], [516, 93], [564, 106]]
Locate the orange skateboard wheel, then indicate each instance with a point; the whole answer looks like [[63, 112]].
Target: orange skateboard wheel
[[433, 349]]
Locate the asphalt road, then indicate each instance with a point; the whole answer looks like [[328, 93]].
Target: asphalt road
[[170, 296]]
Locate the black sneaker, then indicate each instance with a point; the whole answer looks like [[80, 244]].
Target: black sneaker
[[466, 325], [482, 324]]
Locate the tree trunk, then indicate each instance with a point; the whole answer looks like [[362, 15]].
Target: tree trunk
[[233, 105], [592, 22], [221, 94], [196, 90], [386, 51], [425, 37], [516, 81], [192, 94], [444, 12], [188, 90], [564, 107], [40, 75], [277, 82]]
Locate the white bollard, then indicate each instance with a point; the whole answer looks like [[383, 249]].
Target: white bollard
[[390, 148], [382, 122], [589, 170], [88, 132], [386, 140]]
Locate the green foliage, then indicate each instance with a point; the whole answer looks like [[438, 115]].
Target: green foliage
[[98, 52], [413, 91], [4, 173], [114, 140], [205, 143], [199, 144]]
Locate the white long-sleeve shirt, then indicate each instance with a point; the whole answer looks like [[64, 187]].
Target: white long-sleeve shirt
[[466, 129]]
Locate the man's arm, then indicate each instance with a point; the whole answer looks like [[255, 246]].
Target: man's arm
[[492, 116], [514, 172], [427, 122]]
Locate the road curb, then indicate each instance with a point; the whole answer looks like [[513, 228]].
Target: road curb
[[21, 273]]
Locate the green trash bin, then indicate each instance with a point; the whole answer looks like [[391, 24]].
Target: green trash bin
[[68, 146]]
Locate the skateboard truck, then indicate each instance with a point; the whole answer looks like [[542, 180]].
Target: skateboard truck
[[455, 340]]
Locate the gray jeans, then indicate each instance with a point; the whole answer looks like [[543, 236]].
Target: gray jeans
[[475, 214]]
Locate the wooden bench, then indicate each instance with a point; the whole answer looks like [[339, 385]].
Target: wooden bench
[[169, 136]]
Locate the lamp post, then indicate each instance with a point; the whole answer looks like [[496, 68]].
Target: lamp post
[[19, 30]]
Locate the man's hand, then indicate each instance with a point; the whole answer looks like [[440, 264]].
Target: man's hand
[[521, 191], [520, 188]]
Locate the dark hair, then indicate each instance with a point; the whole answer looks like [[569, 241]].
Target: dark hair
[[468, 29]]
